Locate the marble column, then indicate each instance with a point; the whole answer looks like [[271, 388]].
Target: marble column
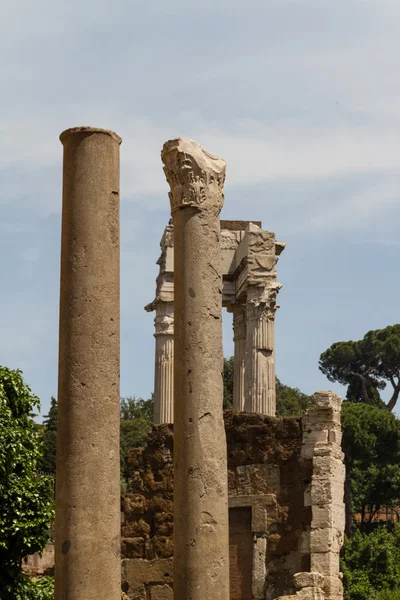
[[239, 359], [88, 517], [201, 543], [260, 357], [164, 363]]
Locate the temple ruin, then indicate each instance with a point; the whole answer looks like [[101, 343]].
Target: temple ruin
[[241, 506], [249, 288]]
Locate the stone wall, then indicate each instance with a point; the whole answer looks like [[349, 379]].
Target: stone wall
[[287, 471]]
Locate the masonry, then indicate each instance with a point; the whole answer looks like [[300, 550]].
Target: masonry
[[282, 526]]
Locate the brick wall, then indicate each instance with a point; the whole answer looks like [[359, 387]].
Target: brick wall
[[266, 472]]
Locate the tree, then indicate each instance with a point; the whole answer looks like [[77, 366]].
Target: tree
[[371, 444], [49, 436], [228, 382], [291, 401], [371, 565], [136, 423], [26, 505], [366, 366]]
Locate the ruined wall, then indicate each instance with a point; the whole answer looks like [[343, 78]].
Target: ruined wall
[[267, 475]]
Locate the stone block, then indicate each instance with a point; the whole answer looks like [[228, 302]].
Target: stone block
[[164, 523], [259, 519], [137, 571], [326, 563], [259, 567], [333, 588], [326, 540], [132, 547], [137, 593], [257, 479], [328, 467], [328, 450], [161, 592], [310, 593], [304, 580], [325, 491], [335, 437], [163, 546], [135, 529], [328, 515], [327, 400], [135, 503]]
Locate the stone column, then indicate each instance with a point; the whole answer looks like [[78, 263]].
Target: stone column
[[164, 363], [87, 531], [239, 338], [260, 358], [201, 548]]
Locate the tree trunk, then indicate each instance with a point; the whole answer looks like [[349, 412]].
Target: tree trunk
[[393, 400]]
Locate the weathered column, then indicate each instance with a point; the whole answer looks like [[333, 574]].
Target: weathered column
[[239, 338], [201, 563], [262, 288], [260, 358], [87, 539], [164, 363]]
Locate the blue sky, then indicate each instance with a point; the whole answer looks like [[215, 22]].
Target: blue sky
[[300, 97]]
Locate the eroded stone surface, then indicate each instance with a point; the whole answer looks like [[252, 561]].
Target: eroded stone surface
[[201, 567], [88, 485]]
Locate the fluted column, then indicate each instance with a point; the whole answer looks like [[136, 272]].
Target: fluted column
[[88, 518], [201, 548], [260, 357], [239, 360], [164, 363]]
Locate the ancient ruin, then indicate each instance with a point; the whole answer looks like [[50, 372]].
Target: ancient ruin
[[241, 506], [201, 566], [87, 536], [249, 289]]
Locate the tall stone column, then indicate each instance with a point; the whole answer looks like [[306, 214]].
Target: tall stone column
[[239, 339], [201, 549], [164, 363], [260, 357], [87, 538]]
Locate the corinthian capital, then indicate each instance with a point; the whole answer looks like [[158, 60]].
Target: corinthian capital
[[195, 176]]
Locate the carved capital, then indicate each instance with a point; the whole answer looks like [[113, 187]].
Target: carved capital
[[261, 302], [196, 177], [164, 319]]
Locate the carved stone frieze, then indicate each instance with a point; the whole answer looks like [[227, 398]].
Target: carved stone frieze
[[195, 176], [261, 257]]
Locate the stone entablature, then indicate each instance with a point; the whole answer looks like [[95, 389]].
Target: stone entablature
[[249, 289], [288, 471]]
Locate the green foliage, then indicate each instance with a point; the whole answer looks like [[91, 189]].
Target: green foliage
[[228, 383], [49, 436], [291, 401], [26, 507], [31, 588], [371, 443], [366, 366], [371, 565], [136, 423]]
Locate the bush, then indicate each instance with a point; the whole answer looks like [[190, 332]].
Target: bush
[[30, 588], [371, 565]]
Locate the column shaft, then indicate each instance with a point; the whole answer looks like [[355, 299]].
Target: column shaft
[[201, 549], [239, 338], [164, 364], [260, 357], [87, 538]]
